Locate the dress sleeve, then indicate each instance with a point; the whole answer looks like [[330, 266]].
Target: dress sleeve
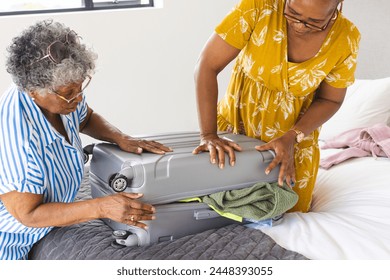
[[35, 178], [343, 73], [22, 170], [236, 28]]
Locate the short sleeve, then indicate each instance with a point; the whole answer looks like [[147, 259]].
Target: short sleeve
[[343, 74], [35, 178], [236, 28], [22, 169]]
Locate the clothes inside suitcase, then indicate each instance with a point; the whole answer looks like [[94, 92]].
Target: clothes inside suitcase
[[166, 179]]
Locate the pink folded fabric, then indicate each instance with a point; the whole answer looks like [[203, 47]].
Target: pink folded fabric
[[358, 142], [379, 136]]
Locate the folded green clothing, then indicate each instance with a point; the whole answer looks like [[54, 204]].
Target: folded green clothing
[[259, 202]]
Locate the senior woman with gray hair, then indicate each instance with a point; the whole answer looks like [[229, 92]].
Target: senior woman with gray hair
[[40, 148]]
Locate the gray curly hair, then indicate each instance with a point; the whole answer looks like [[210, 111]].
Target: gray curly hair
[[32, 74]]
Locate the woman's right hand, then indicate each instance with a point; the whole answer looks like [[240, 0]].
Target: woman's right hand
[[125, 208], [218, 147]]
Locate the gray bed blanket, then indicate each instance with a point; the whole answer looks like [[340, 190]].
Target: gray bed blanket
[[93, 241]]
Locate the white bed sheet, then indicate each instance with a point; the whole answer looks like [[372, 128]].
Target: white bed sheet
[[350, 215]]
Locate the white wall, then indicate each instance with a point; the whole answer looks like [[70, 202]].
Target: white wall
[[144, 82], [373, 20]]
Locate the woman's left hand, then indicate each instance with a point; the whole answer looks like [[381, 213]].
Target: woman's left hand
[[284, 150], [137, 146]]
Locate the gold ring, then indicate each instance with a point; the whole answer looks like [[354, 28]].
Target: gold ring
[[132, 218]]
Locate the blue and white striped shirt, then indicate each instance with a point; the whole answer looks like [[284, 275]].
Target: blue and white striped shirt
[[35, 158]]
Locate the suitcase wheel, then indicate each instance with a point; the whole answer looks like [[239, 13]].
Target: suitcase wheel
[[120, 234], [87, 150], [125, 238], [85, 158], [118, 182]]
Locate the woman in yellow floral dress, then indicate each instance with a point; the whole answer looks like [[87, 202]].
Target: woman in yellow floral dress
[[294, 61]]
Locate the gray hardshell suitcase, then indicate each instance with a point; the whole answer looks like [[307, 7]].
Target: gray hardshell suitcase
[[166, 179]]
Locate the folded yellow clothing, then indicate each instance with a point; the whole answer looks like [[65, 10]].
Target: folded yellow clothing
[[258, 202]]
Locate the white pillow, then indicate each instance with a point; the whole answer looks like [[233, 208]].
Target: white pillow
[[367, 102]]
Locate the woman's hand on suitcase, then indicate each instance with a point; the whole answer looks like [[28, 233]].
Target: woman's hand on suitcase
[[218, 147], [284, 151], [125, 208], [137, 146]]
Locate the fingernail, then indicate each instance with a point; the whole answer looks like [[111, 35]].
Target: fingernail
[[221, 166], [213, 161], [233, 163], [139, 150], [267, 171]]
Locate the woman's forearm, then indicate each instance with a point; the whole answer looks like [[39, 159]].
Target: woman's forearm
[[206, 86], [215, 56], [99, 128], [63, 214], [29, 210], [317, 114], [327, 102]]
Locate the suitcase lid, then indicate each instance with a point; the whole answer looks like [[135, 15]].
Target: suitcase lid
[[179, 174]]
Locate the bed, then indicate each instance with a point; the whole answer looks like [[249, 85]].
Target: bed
[[350, 213], [93, 241], [349, 218]]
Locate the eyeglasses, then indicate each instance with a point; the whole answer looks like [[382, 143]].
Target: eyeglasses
[[312, 26], [57, 51], [83, 85]]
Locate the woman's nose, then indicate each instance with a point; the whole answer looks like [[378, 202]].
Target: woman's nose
[[78, 98], [300, 27]]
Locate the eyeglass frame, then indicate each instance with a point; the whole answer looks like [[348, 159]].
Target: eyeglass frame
[[312, 26], [77, 95], [67, 41]]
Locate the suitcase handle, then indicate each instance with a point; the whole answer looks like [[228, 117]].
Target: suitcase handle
[[205, 214]]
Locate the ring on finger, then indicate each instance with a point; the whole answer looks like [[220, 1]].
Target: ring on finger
[[132, 218]]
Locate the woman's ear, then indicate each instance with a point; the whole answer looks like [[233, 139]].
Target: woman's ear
[[33, 94]]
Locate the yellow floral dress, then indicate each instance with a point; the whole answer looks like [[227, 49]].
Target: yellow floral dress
[[267, 93]]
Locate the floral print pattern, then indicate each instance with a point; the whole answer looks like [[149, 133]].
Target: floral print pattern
[[267, 93]]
